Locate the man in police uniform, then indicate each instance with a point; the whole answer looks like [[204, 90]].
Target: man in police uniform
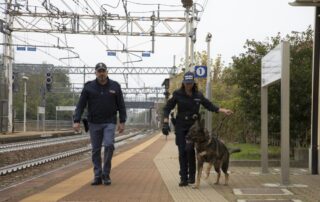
[[104, 98], [188, 99]]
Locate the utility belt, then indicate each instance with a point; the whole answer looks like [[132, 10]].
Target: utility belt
[[192, 117]]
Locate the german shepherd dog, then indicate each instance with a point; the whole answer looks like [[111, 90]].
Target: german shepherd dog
[[210, 150]]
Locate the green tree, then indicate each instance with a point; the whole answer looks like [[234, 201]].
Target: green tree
[[53, 99], [246, 74]]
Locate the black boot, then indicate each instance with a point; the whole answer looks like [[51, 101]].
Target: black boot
[[108, 153], [191, 180], [96, 181], [183, 183], [106, 180]]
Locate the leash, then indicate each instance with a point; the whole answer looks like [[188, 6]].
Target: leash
[[220, 125]]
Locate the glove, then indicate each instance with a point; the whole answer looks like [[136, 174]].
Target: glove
[[165, 128]]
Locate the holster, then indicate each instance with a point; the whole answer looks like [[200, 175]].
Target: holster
[[85, 124]]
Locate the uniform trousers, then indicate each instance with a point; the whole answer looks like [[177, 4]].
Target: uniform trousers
[[187, 160], [102, 135]]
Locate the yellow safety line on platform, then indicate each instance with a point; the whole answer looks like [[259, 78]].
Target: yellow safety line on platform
[[74, 183]]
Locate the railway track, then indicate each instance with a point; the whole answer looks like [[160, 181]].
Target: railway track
[[42, 160], [41, 143]]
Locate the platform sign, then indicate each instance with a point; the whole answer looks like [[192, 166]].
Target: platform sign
[[31, 49], [146, 54], [276, 66], [200, 71], [41, 110], [112, 53], [21, 48], [65, 108], [271, 66]]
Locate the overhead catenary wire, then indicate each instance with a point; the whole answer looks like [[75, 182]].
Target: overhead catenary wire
[[153, 4], [17, 38], [53, 36]]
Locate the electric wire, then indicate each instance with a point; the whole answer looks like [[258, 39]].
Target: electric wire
[[17, 38], [153, 4]]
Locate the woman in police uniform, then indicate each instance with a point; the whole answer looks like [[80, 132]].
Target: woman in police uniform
[[188, 99]]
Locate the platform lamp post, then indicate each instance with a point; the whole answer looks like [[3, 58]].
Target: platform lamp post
[[25, 79], [315, 130], [187, 4], [208, 122]]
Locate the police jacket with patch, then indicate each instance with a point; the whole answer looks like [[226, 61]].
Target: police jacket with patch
[[103, 102], [188, 106]]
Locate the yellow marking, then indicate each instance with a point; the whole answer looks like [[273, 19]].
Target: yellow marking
[[74, 183]]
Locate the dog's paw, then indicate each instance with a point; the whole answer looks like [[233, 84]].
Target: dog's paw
[[195, 187]]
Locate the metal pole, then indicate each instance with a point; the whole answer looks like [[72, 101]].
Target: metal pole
[[192, 42], [208, 122], [38, 120], [7, 62], [285, 111], [187, 40], [56, 119], [315, 96], [25, 104], [264, 130], [84, 75]]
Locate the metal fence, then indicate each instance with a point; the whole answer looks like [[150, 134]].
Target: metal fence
[[50, 125]]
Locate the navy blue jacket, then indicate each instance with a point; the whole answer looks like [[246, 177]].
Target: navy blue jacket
[[103, 102], [187, 106]]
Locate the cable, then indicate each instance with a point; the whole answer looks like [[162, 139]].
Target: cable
[[111, 5], [53, 36], [203, 8], [90, 7], [17, 38], [151, 11], [150, 4]]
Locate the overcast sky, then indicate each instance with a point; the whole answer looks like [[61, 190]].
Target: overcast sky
[[230, 22]]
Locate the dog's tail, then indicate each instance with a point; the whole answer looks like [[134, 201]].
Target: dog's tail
[[235, 150]]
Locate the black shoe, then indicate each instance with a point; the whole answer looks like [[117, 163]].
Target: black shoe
[[191, 181], [96, 181], [106, 180], [183, 183]]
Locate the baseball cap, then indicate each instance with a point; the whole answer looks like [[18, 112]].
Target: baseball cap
[[188, 77], [101, 65]]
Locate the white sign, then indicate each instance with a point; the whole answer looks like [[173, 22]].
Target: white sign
[[65, 108], [41, 110], [271, 66]]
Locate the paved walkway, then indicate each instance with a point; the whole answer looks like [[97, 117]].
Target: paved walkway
[[149, 172]]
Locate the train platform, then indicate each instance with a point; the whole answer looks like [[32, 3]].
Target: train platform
[[148, 171]]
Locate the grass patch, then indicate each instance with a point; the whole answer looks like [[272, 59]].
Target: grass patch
[[252, 152]]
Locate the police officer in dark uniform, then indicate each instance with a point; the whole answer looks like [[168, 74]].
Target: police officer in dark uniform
[[188, 99], [104, 99]]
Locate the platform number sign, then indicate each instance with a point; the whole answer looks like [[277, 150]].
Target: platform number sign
[[200, 71]]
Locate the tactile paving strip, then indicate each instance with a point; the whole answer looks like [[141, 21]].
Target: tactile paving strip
[[268, 200], [262, 191], [168, 165]]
